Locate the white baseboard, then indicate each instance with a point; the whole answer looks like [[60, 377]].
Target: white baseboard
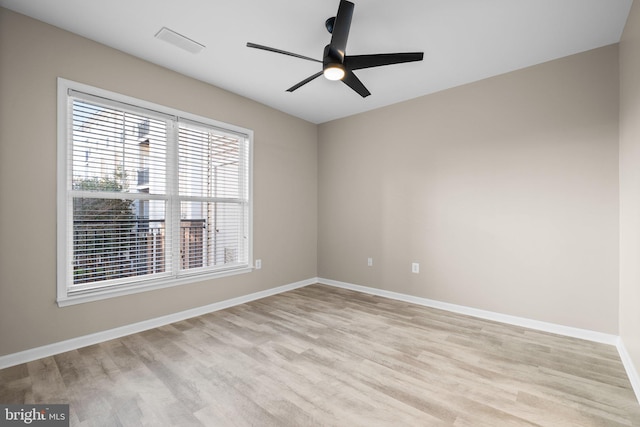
[[483, 314], [98, 337], [632, 373]]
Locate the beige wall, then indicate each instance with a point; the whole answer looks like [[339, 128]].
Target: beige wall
[[32, 56], [505, 191], [630, 185]]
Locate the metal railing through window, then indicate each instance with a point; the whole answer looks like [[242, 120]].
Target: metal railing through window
[[113, 249]]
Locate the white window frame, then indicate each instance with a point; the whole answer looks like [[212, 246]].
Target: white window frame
[[65, 214]]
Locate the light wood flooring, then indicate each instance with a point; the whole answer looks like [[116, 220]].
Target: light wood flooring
[[326, 356]]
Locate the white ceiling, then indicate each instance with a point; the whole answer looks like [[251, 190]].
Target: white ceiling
[[463, 41]]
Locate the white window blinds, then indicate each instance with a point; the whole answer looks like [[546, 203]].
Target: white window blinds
[[213, 197], [150, 197]]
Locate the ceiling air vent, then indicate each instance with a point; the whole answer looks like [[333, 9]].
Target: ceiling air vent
[[179, 40]]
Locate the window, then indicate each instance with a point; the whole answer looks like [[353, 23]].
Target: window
[[148, 196]]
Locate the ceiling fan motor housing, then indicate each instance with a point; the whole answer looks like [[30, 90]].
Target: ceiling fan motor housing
[[332, 58]]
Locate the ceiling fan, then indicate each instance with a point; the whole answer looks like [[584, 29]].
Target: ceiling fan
[[336, 65]]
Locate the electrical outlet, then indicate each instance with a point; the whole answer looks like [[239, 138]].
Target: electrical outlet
[[258, 264], [415, 268], [369, 262]]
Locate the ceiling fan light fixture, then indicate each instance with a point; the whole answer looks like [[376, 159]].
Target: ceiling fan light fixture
[[334, 72]]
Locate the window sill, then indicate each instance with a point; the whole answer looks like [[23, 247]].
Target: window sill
[[101, 294]]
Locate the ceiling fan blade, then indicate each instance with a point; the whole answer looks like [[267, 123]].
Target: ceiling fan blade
[[354, 83], [341, 28], [284, 52], [357, 62], [304, 82]]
